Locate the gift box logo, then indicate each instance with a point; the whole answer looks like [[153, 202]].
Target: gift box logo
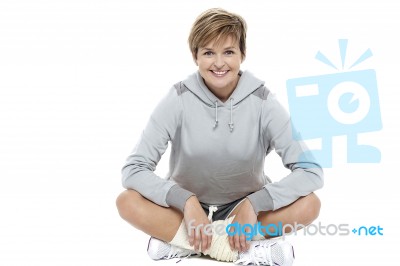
[[344, 103]]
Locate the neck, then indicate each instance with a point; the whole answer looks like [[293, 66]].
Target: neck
[[223, 93]]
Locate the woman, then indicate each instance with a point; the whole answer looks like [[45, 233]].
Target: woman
[[221, 123]]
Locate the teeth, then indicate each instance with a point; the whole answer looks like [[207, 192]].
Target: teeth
[[220, 73]]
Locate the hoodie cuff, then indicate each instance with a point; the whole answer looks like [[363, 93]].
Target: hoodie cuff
[[261, 201], [177, 197]]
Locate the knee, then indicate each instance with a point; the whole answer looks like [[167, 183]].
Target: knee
[[128, 203], [312, 206]]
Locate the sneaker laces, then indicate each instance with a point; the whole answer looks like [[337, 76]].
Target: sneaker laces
[[260, 254], [176, 252]]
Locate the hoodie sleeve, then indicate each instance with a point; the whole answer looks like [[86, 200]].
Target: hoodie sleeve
[[306, 175], [138, 171]]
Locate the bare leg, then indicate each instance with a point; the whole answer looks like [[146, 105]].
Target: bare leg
[[303, 211], [163, 223], [152, 219]]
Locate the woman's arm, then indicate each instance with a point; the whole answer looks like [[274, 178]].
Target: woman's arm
[[306, 174], [138, 171]]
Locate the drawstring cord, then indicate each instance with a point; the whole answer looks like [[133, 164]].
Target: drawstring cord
[[230, 124], [211, 210], [216, 114]]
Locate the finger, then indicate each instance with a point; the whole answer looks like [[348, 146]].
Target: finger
[[237, 242], [204, 241], [242, 242], [191, 237], [246, 239], [231, 239], [231, 243], [209, 240], [197, 240]]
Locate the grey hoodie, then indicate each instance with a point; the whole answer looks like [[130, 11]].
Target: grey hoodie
[[218, 149]]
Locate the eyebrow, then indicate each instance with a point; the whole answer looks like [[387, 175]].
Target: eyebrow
[[210, 49]]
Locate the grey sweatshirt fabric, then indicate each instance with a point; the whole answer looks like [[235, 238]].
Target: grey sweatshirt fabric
[[219, 148]]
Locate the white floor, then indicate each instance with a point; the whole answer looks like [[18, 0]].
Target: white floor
[[86, 230]]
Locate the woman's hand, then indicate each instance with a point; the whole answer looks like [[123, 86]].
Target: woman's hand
[[245, 215], [196, 220]]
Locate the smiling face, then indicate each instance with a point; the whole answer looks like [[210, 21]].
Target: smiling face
[[219, 65]]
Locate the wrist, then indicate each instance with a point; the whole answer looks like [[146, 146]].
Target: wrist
[[177, 197], [191, 201], [261, 201]]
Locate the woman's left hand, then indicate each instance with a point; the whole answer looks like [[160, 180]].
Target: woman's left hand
[[245, 215]]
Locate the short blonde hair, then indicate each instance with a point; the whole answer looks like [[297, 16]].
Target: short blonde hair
[[217, 24]]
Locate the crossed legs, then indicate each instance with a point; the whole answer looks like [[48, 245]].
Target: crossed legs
[[163, 223]]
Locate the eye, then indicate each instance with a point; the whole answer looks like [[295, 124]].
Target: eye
[[208, 53], [229, 52]]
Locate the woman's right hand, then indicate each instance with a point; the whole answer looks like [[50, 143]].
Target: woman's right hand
[[195, 220]]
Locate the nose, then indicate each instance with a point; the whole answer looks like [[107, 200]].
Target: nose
[[219, 61]]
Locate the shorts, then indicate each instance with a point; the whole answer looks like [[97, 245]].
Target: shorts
[[222, 211]]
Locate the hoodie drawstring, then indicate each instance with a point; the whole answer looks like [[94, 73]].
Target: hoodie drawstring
[[211, 210], [230, 124], [216, 114]]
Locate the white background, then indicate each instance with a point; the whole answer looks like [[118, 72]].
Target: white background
[[78, 80]]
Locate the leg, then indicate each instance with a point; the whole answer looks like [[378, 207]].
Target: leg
[[303, 211], [165, 224], [152, 219]]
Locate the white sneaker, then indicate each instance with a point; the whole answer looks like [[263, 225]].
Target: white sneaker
[[267, 252], [160, 250]]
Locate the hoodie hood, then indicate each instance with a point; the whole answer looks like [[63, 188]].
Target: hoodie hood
[[247, 84]]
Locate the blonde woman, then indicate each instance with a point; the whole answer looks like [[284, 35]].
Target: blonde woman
[[221, 123]]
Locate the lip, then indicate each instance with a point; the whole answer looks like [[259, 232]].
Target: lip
[[220, 73]]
